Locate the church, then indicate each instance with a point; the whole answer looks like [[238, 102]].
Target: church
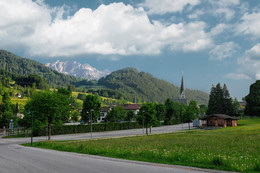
[[182, 97]]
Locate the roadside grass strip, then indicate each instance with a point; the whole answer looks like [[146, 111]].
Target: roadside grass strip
[[231, 148]]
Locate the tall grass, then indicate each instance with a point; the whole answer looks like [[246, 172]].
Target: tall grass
[[232, 148]]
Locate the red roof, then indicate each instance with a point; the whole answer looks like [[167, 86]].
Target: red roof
[[221, 116], [132, 107]]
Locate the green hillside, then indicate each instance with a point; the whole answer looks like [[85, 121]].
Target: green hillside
[[22, 66], [128, 83], [144, 86]]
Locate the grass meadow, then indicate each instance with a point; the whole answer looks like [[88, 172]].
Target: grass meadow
[[232, 148]]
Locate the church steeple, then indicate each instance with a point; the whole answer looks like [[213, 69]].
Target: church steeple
[[182, 90]]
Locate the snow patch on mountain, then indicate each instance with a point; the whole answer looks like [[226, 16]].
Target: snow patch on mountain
[[77, 69]]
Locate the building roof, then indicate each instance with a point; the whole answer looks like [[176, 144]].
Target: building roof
[[132, 107], [220, 116]]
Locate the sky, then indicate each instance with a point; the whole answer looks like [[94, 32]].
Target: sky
[[209, 41]]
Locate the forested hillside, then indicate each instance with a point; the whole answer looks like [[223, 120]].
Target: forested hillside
[[144, 86], [22, 66], [127, 84]]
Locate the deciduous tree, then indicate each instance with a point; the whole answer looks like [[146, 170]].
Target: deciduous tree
[[191, 112], [253, 100], [116, 114], [91, 108], [49, 108], [147, 116], [6, 112], [130, 115]]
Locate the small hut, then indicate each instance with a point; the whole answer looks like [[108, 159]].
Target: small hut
[[220, 120]]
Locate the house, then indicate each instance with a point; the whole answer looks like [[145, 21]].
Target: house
[[104, 110], [132, 107], [19, 95], [219, 120]]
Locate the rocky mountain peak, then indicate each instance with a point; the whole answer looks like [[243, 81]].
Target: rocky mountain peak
[[77, 69]]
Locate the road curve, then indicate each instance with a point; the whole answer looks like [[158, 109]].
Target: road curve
[[16, 158]]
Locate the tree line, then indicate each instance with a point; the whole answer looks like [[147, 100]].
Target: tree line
[[150, 114]]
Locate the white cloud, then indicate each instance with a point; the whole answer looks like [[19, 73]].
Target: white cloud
[[196, 14], [186, 37], [110, 29], [252, 55], [250, 62], [237, 76], [225, 50], [19, 20], [220, 28], [250, 25], [224, 8], [168, 6]]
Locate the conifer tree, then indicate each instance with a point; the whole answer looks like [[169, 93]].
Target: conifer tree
[[220, 101]]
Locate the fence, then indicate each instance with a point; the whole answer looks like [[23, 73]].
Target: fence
[[16, 131]]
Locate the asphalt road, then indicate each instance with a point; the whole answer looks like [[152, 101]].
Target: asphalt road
[[15, 158]]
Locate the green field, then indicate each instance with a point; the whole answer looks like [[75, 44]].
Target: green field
[[232, 148]]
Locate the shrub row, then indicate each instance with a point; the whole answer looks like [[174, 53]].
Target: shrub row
[[70, 129]]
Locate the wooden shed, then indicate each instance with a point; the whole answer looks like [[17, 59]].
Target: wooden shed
[[220, 120]]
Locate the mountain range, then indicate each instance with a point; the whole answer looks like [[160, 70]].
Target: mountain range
[[73, 68], [128, 83]]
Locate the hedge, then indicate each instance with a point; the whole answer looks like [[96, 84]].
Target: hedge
[[71, 129]]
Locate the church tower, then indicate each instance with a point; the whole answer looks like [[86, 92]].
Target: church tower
[[182, 90], [182, 98]]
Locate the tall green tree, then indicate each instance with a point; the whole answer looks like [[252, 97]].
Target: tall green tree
[[203, 109], [236, 106], [191, 112], [48, 108], [220, 101], [228, 106], [6, 111], [116, 114], [253, 100], [179, 110], [130, 115], [91, 108], [160, 111], [147, 116], [174, 112], [169, 111]]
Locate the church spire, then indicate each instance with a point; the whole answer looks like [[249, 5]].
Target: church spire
[[182, 90]]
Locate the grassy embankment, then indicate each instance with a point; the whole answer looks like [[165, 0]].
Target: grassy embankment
[[232, 148]]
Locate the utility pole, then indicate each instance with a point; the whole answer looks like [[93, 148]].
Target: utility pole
[[91, 122]]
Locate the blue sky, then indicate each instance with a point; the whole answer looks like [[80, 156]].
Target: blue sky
[[210, 41]]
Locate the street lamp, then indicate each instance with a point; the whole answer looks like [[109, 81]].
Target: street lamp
[[91, 111], [29, 112], [32, 131]]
